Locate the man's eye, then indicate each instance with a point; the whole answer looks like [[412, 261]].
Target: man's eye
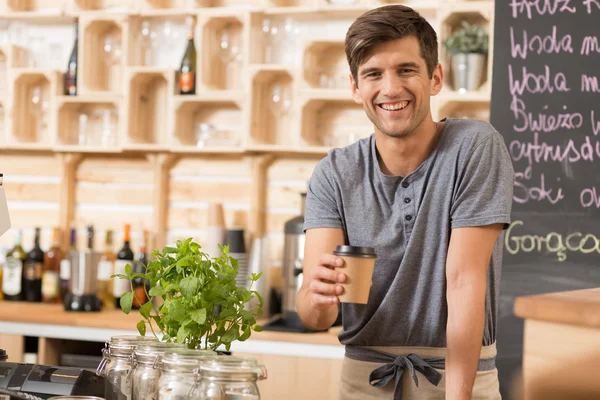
[[407, 70], [372, 75]]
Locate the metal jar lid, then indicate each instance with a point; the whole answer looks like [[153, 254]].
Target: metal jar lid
[[151, 352], [232, 366], [189, 359]]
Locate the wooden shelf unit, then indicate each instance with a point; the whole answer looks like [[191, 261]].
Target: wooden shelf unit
[[155, 130]]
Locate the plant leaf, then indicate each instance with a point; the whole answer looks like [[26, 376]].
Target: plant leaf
[[245, 335], [199, 316], [232, 334], [170, 250], [145, 310], [141, 327], [126, 301], [257, 328], [128, 270], [189, 286], [182, 334], [156, 291]]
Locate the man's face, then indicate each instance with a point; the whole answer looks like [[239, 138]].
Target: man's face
[[394, 87]]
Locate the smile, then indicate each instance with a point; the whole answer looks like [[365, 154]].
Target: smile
[[394, 106]]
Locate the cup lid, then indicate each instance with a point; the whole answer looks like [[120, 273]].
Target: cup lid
[[355, 251]]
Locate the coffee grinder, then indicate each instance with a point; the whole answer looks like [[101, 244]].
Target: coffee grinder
[[82, 295]]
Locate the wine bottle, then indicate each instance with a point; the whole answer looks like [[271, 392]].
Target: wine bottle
[[51, 271], [140, 284], [70, 77], [105, 270], [65, 264], [124, 257], [33, 271], [12, 279], [187, 69]]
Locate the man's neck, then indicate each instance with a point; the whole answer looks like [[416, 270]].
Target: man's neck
[[401, 156]]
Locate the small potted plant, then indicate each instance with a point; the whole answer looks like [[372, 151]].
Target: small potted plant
[[468, 47], [203, 307]]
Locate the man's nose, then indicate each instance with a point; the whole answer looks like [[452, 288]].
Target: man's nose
[[391, 84]]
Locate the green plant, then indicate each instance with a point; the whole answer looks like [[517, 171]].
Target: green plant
[[203, 307], [468, 39]]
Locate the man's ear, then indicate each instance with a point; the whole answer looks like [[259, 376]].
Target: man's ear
[[437, 80], [354, 88]]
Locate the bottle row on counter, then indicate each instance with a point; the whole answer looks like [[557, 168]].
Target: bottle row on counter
[[54, 275]]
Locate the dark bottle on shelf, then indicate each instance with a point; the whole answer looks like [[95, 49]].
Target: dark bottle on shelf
[[32, 284], [139, 284], [70, 77], [65, 264], [124, 257], [187, 70], [12, 278], [51, 270]]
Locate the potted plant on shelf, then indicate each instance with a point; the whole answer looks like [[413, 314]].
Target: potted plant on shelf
[[468, 47], [202, 305]]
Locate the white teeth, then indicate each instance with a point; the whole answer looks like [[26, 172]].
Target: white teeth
[[394, 107]]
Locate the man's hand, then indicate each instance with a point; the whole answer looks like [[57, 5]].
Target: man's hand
[[317, 301], [323, 287]]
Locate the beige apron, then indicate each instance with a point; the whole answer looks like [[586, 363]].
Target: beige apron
[[354, 383]]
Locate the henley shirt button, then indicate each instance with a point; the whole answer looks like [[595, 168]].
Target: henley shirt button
[[408, 217], [405, 185], [406, 200]]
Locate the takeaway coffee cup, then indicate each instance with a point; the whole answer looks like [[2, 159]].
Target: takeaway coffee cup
[[358, 267]]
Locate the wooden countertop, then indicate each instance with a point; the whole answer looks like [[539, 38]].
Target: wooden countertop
[[54, 314], [577, 307]]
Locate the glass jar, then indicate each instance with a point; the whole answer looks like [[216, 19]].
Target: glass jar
[[228, 378], [178, 370], [116, 364], [146, 369]]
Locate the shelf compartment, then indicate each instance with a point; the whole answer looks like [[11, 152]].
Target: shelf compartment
[[100, 5], [147, 103], [223, 39], [207, 125], [293, 3], [33, 116], [272, 108], [325, 65], [333, 123], [3, 125], [102, 49], [466, 109], [169, 3], [88, 125], [451, 20], [158, 40], [39, 6]]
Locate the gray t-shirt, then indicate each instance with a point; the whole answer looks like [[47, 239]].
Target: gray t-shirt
[[467, 180]]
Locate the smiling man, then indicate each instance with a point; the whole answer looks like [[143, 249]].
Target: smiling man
[[433, 199]]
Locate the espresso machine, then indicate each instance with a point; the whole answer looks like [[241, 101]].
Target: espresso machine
[[292, 271]]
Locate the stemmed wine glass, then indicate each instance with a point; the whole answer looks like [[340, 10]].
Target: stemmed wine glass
[[112, 49], [146, 37], [230, 52], [39, 109], [280, 99]]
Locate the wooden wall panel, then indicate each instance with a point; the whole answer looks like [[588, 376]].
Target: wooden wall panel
[[195, 182], [32, 186], [112, 191]]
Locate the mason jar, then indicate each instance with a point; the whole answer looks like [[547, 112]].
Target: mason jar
[[116, 364], [178, 370], [146, 369], [228, 378]]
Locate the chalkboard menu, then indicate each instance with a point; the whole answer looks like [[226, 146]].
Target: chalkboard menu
[[546, 104]]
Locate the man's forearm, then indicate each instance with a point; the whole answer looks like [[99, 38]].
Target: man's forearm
[[464, 333], [314, 318]]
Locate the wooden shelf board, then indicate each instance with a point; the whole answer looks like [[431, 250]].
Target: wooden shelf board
[[326, 94], [91, 98], [207, 96], [168, 12], [33, 71], [73, 148], [35, 16], [208, 150], [453, 96], [29, 146], [280, 149], [145, 147], [148, 69]]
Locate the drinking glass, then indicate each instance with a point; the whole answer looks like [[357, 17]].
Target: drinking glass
[[146, 37], [112, 49], [230, 53], [39, 109], [280, 99]]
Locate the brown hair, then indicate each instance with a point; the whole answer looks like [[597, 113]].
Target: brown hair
[[387, 23]]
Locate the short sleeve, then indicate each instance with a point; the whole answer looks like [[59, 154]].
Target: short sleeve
[[322, 209], [484, 189]]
